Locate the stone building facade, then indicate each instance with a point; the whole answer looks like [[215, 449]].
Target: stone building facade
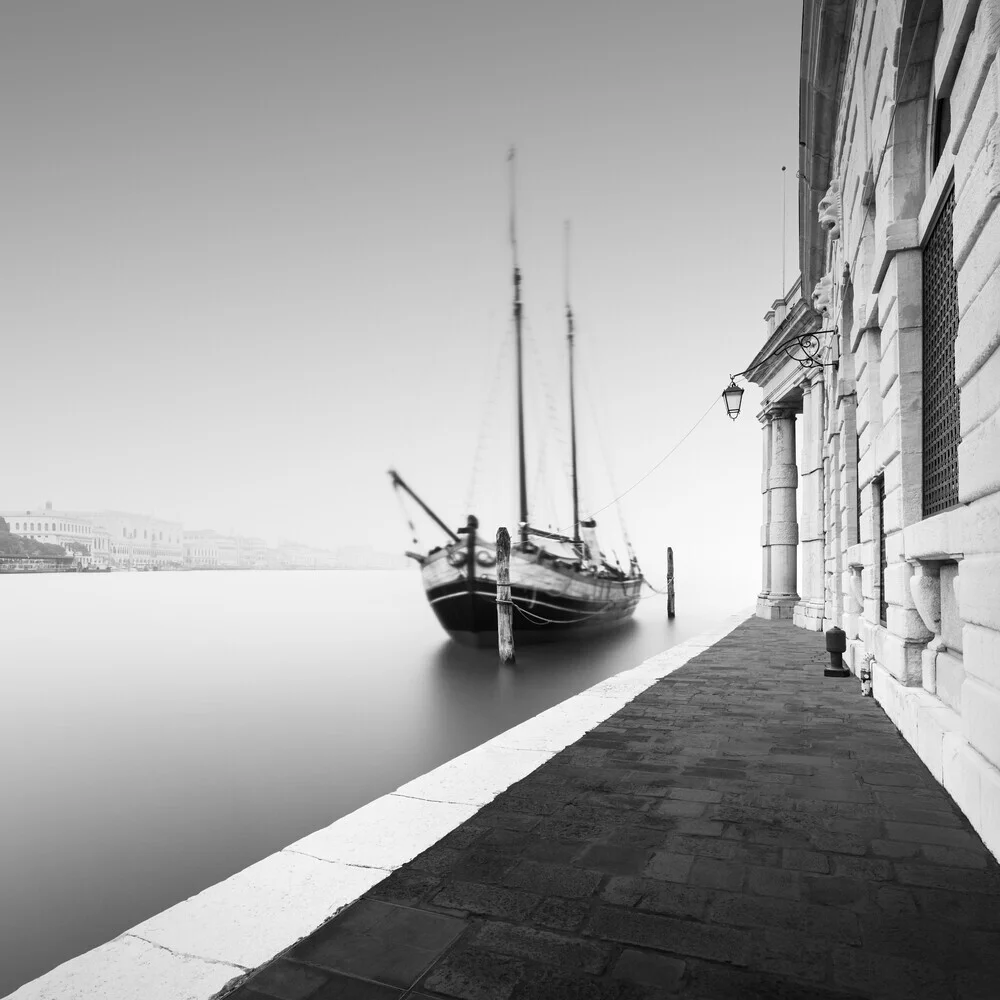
[[881, 414], [56, 527]]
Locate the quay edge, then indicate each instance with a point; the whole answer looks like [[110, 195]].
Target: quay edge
[[205, 945]]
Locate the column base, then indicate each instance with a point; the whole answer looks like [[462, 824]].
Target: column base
[[772, 608], [809, 615]]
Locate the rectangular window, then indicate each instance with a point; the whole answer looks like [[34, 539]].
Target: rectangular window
[[940, 394], [878, 500], [857, 484]]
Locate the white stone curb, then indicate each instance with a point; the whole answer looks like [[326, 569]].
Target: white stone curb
[[198, 948]]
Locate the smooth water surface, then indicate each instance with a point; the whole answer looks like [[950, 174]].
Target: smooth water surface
[[161, 731]]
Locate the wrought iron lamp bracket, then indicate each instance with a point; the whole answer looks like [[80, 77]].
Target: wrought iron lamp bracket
[[808, 344]]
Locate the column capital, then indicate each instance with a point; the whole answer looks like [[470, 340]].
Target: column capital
[[813, 377], [778, 411]]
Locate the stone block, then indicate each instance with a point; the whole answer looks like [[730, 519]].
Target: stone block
[[900, 658], [895, 549], [981, 525], [988, 824], [981, 657], [869, 583], [868, 467], [979, 594], [980, 395], [950, 675], [907, 623], [478, 776], [976, 63], [785, 476], [979, 461], [890, 399], [980, 124], [892, 510], [936, 538], [386, 833], [249, 918], [888, 445], [888, 370], [782, 533], [127, 968], [897, 585], [960, 775], [928, 665], [978, 198], [893, 477], [951, 623], [981, 262], [978, 332], [980, 712]]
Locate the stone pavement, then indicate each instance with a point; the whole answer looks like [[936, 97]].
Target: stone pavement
[[746, 828]]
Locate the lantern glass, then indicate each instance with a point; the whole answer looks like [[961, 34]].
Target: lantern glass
[[733, 398]]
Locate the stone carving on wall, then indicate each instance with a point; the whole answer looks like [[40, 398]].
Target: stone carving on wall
[[822, 295], [829, 210]]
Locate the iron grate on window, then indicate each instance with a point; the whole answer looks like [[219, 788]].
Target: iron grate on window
[[940, 395], [878, 485]]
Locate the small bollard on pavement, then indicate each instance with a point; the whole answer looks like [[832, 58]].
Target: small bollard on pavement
[[505, 609], [836, 646]]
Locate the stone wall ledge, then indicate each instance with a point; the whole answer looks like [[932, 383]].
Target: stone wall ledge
[[936, 733], [936, 538], [203, 946]]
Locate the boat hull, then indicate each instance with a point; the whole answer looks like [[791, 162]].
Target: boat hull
[[551, 602]]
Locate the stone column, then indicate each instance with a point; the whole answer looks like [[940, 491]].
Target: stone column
[[781, 535], [809, 610], [765, 468]]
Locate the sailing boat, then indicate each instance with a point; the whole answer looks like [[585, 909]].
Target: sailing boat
[[560, 585]]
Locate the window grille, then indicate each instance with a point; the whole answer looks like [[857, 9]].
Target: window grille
[[857, 487], [940, 395], [878, 485]]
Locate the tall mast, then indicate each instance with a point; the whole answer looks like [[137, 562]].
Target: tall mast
[[521, 477], [572, 405]]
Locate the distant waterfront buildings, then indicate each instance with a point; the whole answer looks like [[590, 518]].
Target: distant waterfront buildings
[[209, 549], [119, 540]]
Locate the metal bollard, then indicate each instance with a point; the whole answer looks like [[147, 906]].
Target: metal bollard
[[836, 646]]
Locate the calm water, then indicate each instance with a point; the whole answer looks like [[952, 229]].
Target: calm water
[[161, 731]]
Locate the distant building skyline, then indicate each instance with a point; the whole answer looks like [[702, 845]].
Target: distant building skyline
[[122, 540]]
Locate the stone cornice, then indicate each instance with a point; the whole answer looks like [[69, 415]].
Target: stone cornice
[[800, 319], [825, 40]]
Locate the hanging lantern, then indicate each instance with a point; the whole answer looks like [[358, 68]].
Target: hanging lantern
[[733, 398]]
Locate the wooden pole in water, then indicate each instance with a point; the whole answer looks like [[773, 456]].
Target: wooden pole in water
[[670, 582], [505, 610]]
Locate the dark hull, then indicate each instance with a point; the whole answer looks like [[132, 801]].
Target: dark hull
[[469, 615]]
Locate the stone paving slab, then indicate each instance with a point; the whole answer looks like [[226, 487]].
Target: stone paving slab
[[745, 828]]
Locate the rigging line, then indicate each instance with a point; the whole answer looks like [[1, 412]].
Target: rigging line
[[499, 367], [550, 423], [513, 206], [643, 478], [602, 444], [566, 262], [539, 620]]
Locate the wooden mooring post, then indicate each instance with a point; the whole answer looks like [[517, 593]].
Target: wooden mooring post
[[505, 609], [670, 582]]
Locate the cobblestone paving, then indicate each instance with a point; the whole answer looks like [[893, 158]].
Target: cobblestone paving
[[746, 828]]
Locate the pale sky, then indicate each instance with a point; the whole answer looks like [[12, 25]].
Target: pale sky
[[254, 254]]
